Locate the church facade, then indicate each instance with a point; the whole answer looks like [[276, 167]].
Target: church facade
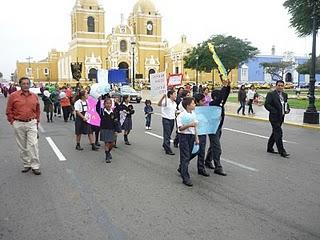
[[135, 45]]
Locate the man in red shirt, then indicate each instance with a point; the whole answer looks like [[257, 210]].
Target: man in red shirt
[[23, 113]]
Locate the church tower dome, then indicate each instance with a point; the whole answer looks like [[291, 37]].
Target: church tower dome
[[145, 7]]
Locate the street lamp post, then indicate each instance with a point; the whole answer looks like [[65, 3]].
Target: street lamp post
[[197, 58], [311, 115], [133, 44]]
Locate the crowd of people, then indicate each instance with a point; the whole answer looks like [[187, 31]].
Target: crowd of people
[[23, 112]]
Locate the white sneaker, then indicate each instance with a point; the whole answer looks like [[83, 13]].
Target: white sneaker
[[147, 128]]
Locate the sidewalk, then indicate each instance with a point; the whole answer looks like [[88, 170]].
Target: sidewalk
[[295, 117]]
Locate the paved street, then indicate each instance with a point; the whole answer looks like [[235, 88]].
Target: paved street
[[140, 195]]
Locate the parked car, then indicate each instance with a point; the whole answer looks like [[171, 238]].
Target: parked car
[[134, 95]]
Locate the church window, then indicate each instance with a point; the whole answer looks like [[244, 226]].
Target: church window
[[177, 70], [123, 46], [90, 23], [90, 7], [46, 71]]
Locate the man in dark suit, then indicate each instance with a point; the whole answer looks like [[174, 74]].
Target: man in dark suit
[[277, 105]]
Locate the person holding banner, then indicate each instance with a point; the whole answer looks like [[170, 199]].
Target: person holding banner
[[81, 125], [108, 126], [187, 122], [168, 112], [219, 98], [200, 100]]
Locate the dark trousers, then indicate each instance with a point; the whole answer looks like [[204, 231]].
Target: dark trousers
[[66, 112], [242, 106], [276, 137], [185, 146], [202, 152], [214, 151], [57, 108], [168, 125], [250, 106], [148, 120]]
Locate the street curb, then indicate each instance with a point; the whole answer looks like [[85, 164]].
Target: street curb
[[309, 126]]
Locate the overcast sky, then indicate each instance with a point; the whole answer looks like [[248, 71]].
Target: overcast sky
[[33, 27]]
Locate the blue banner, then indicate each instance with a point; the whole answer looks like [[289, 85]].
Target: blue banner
[[208, 118], [117, 76]]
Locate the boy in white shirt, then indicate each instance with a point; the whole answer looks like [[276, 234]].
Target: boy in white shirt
[[186, 122], [168, 110]]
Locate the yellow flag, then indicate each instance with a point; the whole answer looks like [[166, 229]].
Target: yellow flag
[[215, 57]]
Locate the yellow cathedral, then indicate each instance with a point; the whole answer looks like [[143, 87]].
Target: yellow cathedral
[[135, 45]]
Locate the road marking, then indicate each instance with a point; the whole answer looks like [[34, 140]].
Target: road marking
[[253, 134], [56, 149], [41, 128], [157, 136], [223, 159], [240, 165]]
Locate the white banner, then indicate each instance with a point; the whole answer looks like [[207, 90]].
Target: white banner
[[175, 80], [158, 84], [102, 76]]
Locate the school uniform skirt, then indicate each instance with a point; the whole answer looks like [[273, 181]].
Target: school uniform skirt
[[107, 135], [82, 127], [127, 124]]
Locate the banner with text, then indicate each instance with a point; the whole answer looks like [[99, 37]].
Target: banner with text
[[175, 80], [158, 84]]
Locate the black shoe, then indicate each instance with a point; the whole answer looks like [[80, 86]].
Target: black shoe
[[284, 154], [94, 148], [220, 172], [26, 169], [187, 182], [176, 145], [79, 148], [179, 170], [108, 161], [170, 153], [97, 144], [127, 143], [36, 171], [204, 173], [272, 151], [115, 146], [209, 165], [110, 156]]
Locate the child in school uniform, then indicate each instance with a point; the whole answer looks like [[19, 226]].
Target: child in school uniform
[[186, 122], [201, 100], [126, 112], [108, 126], [148, 110]]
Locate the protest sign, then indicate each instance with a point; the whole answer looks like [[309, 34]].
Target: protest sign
[[92, 116], [158, 84], [208, 119], [175, 80]]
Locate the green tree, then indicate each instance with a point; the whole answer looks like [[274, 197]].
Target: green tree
[[1, 75], [306, 67], [301, 12], [232, 52], [276, 69]]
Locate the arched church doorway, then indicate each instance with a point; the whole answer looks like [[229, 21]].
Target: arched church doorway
[[151, 71], [288, 77], [92, 75], [124, 66]]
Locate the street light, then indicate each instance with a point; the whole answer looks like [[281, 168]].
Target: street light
[[133, 44], [311, 115], [197, 58]]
